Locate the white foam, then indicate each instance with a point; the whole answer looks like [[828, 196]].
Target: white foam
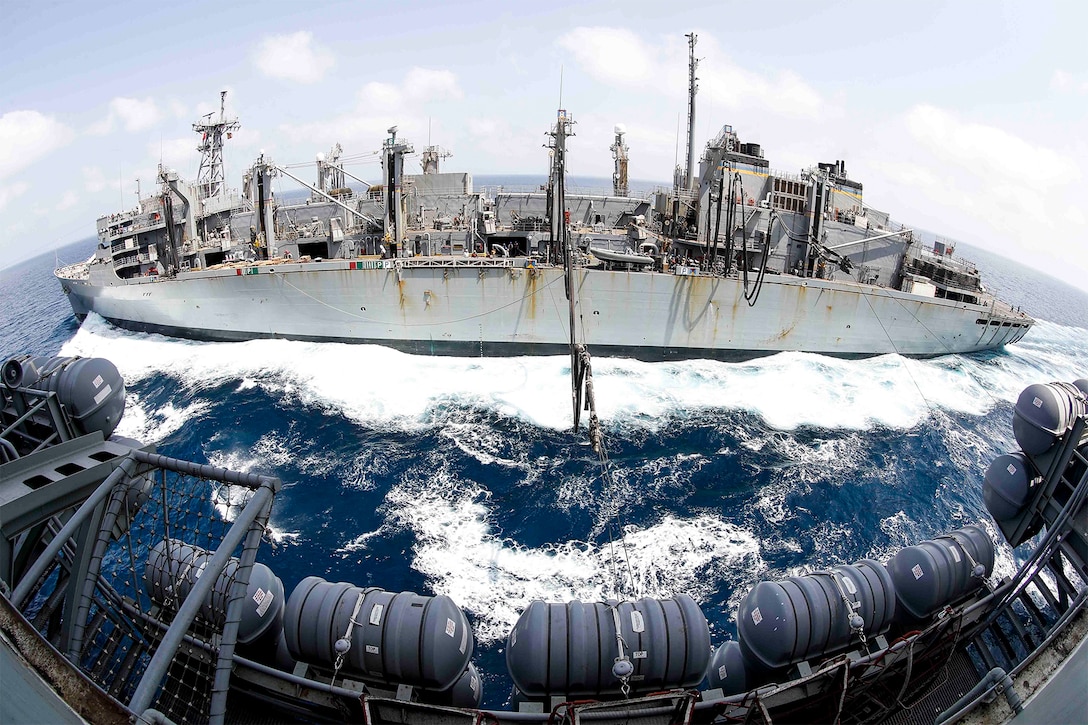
[[362, 541], [495, 578], [382, 388], [155, 426], [229, 499]]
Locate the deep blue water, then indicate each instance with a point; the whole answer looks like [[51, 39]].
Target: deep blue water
[[459, 475]]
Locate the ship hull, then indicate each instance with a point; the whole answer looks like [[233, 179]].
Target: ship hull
[[496, 308]]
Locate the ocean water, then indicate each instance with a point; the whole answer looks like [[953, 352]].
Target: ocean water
[[460, 476]]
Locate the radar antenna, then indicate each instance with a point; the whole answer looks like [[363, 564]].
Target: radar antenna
[[619, 155]]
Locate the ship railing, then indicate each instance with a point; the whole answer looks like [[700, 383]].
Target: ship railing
[[128, 261], [496, 191], [683, 195], [958, 263], [786, 176], [866, 684], [131, 260], [79, 270], [104, 221], [152, 518], [137, 228], [452, 261], [33, 407]]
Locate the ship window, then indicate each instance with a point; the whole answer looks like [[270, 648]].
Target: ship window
[[980, 321], [995, 322], [1006, 324]]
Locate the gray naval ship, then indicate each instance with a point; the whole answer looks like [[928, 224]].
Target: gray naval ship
[[131, 591], [735, 260]]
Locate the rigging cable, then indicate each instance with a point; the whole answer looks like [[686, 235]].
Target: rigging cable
[[751, 296], [936, 337], [894, 347], [596, 439], [763, 263]]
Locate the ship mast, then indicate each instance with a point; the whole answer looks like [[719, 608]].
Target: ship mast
[[693, 87], [211, 177]]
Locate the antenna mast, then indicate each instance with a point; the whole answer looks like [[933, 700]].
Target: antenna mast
[[693, 87], [211, 177]]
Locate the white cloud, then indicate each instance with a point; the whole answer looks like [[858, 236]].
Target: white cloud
[[989, 152], [136, 115], [620, 58], [425, 84], [177, 108], [1065, 82], [381, 105], [132, 113], [380, 95], [353, 130], [95, 181], [67, 201], [10, 193], [983, 185], [784, 93], [26, 136], [294, 57], [419, 86], [177, 153], [612, 55]]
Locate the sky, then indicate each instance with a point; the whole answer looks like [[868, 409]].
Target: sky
[[967, 119]]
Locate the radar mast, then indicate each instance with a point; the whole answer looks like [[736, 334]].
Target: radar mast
[[619, 156], [693, 88], [211, 177]]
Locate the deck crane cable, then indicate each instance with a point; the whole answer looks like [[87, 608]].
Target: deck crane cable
[[582, 393], [585, 398], [596, 440]]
